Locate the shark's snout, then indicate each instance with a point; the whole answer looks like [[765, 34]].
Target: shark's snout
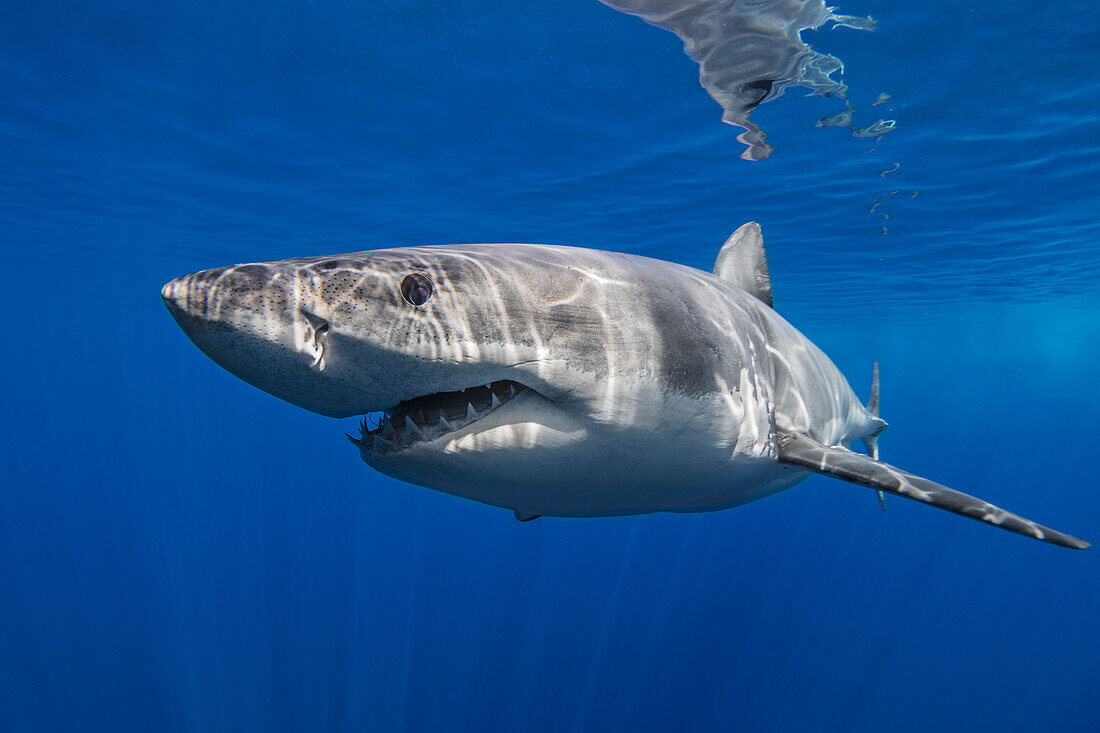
[[213, 295], [251, 320], [282, 327], [182, 303], [186, 305]]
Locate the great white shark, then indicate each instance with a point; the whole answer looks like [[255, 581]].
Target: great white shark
[[557, 380]]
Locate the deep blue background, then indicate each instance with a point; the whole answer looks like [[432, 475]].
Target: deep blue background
[[180, 552]]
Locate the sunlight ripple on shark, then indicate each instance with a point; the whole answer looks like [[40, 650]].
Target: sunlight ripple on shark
[[556, 380]]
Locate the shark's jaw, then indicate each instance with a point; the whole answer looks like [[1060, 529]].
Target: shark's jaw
[[433, 417]]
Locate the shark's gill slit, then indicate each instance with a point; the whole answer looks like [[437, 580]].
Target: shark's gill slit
[[432, 416]]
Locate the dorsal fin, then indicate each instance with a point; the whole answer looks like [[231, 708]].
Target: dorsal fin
[[741, 261]]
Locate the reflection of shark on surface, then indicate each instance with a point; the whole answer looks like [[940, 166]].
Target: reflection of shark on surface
[[751, 51], [555, 380]]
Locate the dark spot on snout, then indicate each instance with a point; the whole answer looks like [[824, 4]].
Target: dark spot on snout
[[202, 281], [250, 277]]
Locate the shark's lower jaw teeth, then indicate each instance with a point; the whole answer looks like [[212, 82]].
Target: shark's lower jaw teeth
[[433, 416]]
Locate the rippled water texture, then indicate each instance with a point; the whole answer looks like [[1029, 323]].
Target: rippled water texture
[[751, 51]]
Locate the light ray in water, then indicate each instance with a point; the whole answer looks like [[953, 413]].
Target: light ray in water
[[750, 51]]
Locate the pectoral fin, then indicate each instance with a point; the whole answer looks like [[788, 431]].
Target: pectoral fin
[[805, 452], [524, 516]]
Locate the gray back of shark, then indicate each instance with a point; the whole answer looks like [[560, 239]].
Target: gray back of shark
[[555, 380]]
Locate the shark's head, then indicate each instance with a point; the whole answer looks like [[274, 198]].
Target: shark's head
[[366, 332], [474, 354], [337, 336]]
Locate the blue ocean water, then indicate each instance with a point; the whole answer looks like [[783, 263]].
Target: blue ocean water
[[181, 552]]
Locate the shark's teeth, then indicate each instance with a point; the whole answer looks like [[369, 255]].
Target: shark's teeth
[[407, 423]]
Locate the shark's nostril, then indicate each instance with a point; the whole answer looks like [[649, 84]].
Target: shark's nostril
[[318, 324]]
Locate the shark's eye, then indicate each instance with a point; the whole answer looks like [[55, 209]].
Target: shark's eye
[[416, 289]]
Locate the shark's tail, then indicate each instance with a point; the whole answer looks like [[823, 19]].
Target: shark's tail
[[871, 441], [872, 404]]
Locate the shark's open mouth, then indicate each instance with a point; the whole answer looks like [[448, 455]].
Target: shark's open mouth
[[433, 416]]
